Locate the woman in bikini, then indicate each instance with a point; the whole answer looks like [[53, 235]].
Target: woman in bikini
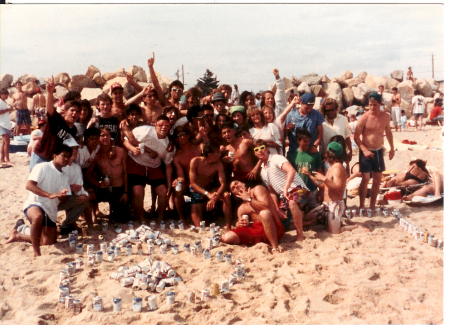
[[417, 173]]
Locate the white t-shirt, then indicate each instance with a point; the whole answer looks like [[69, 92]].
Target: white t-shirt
[[418, 103], [75, 177], [268, 132], [272, 174], [84, 158], [5, 121], [51, 180], [147, 135]]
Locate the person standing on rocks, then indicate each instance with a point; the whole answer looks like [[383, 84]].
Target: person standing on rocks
[[372, 126], [20, 104], [396, 111], [409, 74]]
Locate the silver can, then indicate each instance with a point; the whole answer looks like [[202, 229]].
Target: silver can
[[231, 155], [199, 246], [207, 254], [76, 306], [170, 297], [175, 249], [137, 304], [194, 250], [63, 292], [219, 256], [128, 249], [103, 247], [369, 213], [228, 259], [172, 225], [98, 303], [216, 241], [69, 301], [152, 303], [104, 226], [151, 249], [90, 249], [192, 228], [163, 249], [205, 294], [178, 188], [117, 251], [110, 256], [91, 259], [180, 225], [79, 263], [72, 242], [348, 214], [209, 243], [224, 286], [117, 304], [162, 225], [153, 225], [99, 257], [202, 226], [79, 249], [191, 297], [142, 147]]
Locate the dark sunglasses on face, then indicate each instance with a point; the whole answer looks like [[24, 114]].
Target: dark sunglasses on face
[[179, 135], [330, 110], [177, 90]]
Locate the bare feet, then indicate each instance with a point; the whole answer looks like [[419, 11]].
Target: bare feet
[[15, 236], [300, 238], [276, 251]]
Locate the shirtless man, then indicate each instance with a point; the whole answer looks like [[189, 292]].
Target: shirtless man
[[258, 205], [201, 174], [245, 164], [112, 163], [39, 103], [372, 125], [118, 106], [333, 183], [396, 111], [152, 108], [409, 74], [20, 104], [47, 186]]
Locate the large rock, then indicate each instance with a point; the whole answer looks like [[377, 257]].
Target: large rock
[[128, 89], [406, 106], [120, 72], [339, 81], [91, 94], [386, 99], [334, 91], [406, 89], [295, 81], [7, 78], [91, 71], [140, 76], [347, 75], [293, 89], [352, 110], [109, 75], [60, 91], [391, 83], [27, 78], [362, 76], [397, 75], [424, 87], [4, 84], [441, 88], [30, 88], [318, 91], [311, 79], [62, 77], [375, 82], [348, 97], [287, 83], [325, 79], [98, 79], [317, 103], [303, 88], [432, 82], [353, 82], [164, 82], [361, 93], [81, 81]]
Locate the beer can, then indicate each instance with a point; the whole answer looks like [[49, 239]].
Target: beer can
[[91, 259], [178, 188], [72, 242], [369, 213], [209, 243], [172, 225], [79, 263], [207, 254], [104, 226], [69, 301], [98, 303], [117, 304], [231, 155], [192, 228], [175, 249], [63, 292], [99, 257], [205, 294], [110, 256], [76, 306], [152, 303], [199, 246], [126, 282], [137, 304], [72, 267], [430, 238], [116, 275], [117, 251], [151, 249], [233, 279], [348, 214], [361, 212], [194, 250], [153, 225], [128, 249], [216, 241], [425, 237], [377, 211], [224, 286], [79, 249], [160, 286], [202, 226], [130, 225], [170, 297], [162, 225], [228, 259], [64, 275], [187, 247], [103, 247], [434, 242], [191, 297], [219, 256], [214, 289], [163, 249], [90, 249], [180, 225], [139, 249]]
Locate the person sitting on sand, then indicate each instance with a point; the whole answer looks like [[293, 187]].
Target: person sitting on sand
[[333, 183], [48, 186], [258, 205]]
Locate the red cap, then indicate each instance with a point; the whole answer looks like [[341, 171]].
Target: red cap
[[116, 85]]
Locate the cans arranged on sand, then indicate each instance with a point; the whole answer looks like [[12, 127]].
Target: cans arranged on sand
[[162, 225], [180, 225], [76, 306], [170, 297], [104, 226], [202, 226], [152, 303], [99, 257], [224, 286], [117, 304], [137, 304], [79, 249], [228, 259], [207, 254], [219, 256], [172, 225], [72, 242], [98, 303], [191, 297], [205, 294]]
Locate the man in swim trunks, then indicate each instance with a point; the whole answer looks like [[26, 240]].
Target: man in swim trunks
[[371, 126], [20, 104], [259, 206], [202, 172], [333, 183], [48, 185]]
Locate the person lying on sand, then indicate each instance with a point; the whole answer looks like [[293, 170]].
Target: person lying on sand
[[259, 206], [333, 183], [436, 187], [416, 173], [48, 186]]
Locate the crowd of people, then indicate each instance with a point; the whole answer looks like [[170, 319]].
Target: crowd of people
[[265, 161]]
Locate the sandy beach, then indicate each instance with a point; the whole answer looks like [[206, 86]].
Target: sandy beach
[[384, 276]]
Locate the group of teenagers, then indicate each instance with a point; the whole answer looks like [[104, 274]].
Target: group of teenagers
[[270, 167]]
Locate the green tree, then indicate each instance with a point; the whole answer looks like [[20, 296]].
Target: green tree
[[207, 83]]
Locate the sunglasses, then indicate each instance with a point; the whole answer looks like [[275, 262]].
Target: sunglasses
[[330, 110], [181, 135], [177, 90], [261, 148]]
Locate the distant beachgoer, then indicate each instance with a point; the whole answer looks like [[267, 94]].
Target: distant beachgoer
[[381, 91], [259, 207], [403, 120], [5, 126], [21, 105], [39, 104], [396, 109], [372, 126], [437, 114], [47, 185], [418, 108], [416, 173], [409, 74], [235, 95]]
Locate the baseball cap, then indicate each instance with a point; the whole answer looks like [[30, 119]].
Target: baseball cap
[[308, 98], [116, 85], [218, 96], [234, 109], [335, 148], [376, 96]]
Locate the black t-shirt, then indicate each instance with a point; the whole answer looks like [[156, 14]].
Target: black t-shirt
[[112, 123]]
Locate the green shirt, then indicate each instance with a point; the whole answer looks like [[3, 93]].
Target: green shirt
[[311, 160]]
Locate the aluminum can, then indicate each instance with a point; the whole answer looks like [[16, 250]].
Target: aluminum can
[[72, 242], [91, 259], [99, 257], [69, 301], [369, 213], [130, 225], [175, 249], [63, 292], [378, 212], [205, 294], [214, 289], [207, 254], [354, 213], [117, 304], [224, 286], [231, 155], [163, 249], [434, 242], [117, 251], [216, 241], [361, 212], [90, 249], [160, 286], [187, 247], [162, 225], [178, 188], [233, 279], [180, 225], [170, 297], [192, 228], [64, 275], [137, 304], [76, 306], [425, 237], [79, 263], [153, 225], [348, 214], [191, 297], [194, 250], [110, 256], [104, 226], [202, 226], [98, 303], [152, 303], [128, 249], [151, 249], [116, 275], [103, 247], [139, 249], [219, 256], [172, 225], [430, 238], [209, 243], [228, 259], [199, 246], [79, 249], [125, 282]]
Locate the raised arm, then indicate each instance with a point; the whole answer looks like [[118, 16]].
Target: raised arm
[[161, 98], [282, 117], [280, 96], [137, 99], [50, 89], [132, 82]]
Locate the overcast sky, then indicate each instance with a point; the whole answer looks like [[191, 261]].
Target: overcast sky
[[239, 43]]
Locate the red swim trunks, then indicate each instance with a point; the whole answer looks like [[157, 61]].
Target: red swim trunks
[[255, 234]]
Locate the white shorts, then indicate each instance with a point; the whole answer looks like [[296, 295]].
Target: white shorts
[[396, 115]]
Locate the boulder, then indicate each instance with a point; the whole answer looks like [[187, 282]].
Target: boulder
[[60, 91], [386, 99], [391, 83], [91, 94], [347, 75], [347, 96], [287, 83], [361, 93], [27, 78], [4, 84], [318, 91], [432, 82], [362, 76], [295, 81], [303, 88], [334, 91], [140, 76], [325, 79], [339, 81], [7, 78], [405, 105], [397, 75], [311, 79], [288, 91], [81, 81], [424, 87], [375, 82], [109, 75], [61, 78], [353, 82], [128, 89], [98, 79], [134, 69], [164, 82], [120, 72], [441, 88], [91, 71], [352, 110], [406, 89], [317, 103], [30, 88]]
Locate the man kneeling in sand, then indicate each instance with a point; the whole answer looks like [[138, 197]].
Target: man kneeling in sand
[[334, 182], [259, 206], [48, 186]]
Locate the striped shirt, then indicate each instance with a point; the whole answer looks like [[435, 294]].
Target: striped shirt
[[272, 174]]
